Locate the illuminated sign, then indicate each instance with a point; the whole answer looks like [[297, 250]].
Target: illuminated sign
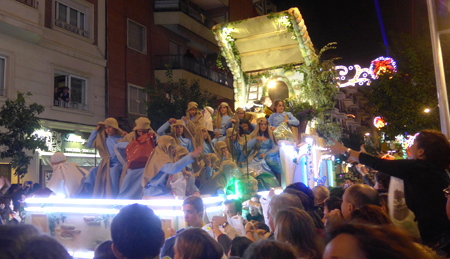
[[360, 77], [75, 138]]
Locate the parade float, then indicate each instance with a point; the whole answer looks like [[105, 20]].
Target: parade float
[[273, 56]]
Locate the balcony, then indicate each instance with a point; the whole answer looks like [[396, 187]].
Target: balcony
[[193, 66], [70, 105]]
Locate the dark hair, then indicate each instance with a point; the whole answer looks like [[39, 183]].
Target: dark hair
[[302, 196], [337, 192], [436, 148], [361, 194], [370, 214], [306, 190], [275, 103], [333, 203], [250, 126], [297, 227], [239, 245], [269, 249], [383, 241], [237, 204], [384, 202], [196, 202], [104, 251], [137, 232], [195, 243], [384, 179], [43, 247], [13, 237], [262, 226]]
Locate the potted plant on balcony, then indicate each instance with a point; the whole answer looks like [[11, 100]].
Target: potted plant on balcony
[[301, 110]]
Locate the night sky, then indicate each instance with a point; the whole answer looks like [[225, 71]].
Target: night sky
[[353, 24]]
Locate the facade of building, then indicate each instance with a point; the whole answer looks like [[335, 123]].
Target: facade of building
[[55, 49]]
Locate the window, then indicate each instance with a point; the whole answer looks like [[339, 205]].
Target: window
[[69, 91], [2, 76], [31, 3], [136, 100], [137, 37], [70, 19]]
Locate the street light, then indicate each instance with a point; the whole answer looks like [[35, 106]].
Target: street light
[[427, 110]]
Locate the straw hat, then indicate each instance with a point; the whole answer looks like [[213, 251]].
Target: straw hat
[[192, 105], [113, 123], [142, 123]]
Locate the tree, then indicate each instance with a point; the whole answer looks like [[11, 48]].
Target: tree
[[401, 98], [170, 100], [18, 122]]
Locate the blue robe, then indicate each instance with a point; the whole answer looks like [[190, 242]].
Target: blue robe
[[258, 162], [276, 119]]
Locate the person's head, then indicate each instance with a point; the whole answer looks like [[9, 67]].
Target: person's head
[[432, 146], [356, 196], [263, 125], [296, 227], [13, 237], [330, 204], [104, 251], [192, 109], [136, 233], [193, 211], [142, 126], [381, 181], [178, 130], [223, 109], [321, 193], [195, 243], [246, 126], [357, 241], [238, 246], [279, 106], [269, 249], [370, 214], [111, 127], [299, 186], [348, 182], [337, 192], [43, 247], [240, 113], [233, 207], [65, 90], [266, 101], [279, 202]]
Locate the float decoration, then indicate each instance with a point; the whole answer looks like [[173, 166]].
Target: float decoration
[[381, 66], [379, 122]]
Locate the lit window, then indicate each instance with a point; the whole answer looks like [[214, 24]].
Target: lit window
[[136, 100], [69, 91], [71, 19], [137, 36]]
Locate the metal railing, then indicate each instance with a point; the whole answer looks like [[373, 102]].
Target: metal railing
[[186, 7], [70, 105], [191, 65]]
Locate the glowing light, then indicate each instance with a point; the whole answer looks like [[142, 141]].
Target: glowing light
[[426, 110], [379, 122], [82, 255], [309, 140], [330, 173], [360, 76], [272, 84], [367, 134], [381, 66]]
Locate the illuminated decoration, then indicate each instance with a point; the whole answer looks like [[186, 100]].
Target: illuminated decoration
[[379, 122], [388, 157], [272, 84], [381, 66], [427, 110], [226, 34], [361, 76]]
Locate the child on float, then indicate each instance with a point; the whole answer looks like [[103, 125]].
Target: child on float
[[262, 142], [235, 145], [224, 115], [246, 128], [211, 168], [202, 139], [160, 165], [193, 117], [222, 152], [279, 116], [130, 182], [67, 178], [105, 178], [185, 173], [208, 113]]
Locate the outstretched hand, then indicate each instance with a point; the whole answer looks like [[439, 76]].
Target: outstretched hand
[[337, 148], [197, 152]]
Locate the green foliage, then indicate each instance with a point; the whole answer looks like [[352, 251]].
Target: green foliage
[[319, 86], [402, 98], [352, 140], [329, 130], [303, 111], [170, 99], [18, 122]]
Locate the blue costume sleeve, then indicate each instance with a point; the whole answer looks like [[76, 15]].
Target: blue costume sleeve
[[251, 143], [229, 124], [208, 173], [92, 138], [163, 128], [173, 168], [190, 146], [270, 120], [292, 120]]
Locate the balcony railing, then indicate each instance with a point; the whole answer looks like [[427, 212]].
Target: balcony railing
[[182, 62], [185, 7], [71, 28], [71, 105], [32, 3]]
